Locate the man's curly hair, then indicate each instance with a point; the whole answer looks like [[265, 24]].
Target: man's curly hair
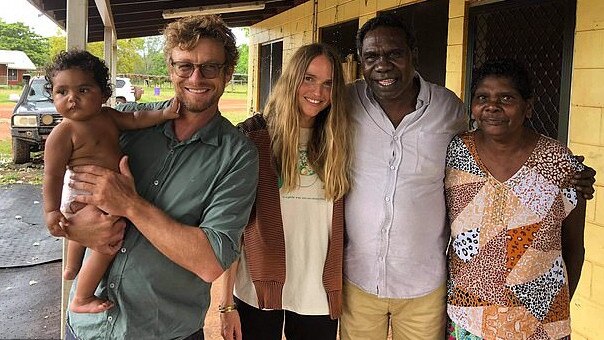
[[186, 32], [84, 61]]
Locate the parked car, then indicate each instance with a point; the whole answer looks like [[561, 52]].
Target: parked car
[[33, 118], [125, 92]]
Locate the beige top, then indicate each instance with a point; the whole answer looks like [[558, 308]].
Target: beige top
[[307, 218]]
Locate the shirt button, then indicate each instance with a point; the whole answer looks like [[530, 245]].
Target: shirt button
[[123, 250], [381, 258], [156, 182], [110, 318], [395, 137], [387, 199], [112, 285], [384, 230], [392, 167]]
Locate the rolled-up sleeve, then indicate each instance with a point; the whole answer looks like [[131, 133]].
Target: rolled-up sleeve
[[227, 214]]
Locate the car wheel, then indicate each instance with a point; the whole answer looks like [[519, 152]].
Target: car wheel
[[20, 151]]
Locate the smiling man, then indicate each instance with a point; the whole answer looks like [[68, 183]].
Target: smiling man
[[395, 213], [186, 188], [394, 260]]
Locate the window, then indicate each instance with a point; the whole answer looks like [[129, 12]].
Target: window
[[12, 74], [271, 59], [342, 37]]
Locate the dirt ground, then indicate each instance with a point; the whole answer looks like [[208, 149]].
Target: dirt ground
[[5, 111]]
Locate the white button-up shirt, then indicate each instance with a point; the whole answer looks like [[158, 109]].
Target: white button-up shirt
[[395, 212]]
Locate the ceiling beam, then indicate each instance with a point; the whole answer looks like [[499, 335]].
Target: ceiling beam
[[104, 9], [139, 18]]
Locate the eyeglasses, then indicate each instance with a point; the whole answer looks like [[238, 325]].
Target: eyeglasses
[[185, 69]]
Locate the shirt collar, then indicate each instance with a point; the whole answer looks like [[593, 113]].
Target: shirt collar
[[208, 134], [423, 98]]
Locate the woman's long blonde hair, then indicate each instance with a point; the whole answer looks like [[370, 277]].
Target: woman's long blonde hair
[[329, 147]]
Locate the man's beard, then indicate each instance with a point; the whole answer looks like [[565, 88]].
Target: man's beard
[[197, 106]]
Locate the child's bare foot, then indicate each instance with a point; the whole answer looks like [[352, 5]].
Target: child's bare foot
[[89, 305], [70, 273]]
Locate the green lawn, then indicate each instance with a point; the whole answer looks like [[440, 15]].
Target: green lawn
[[5, 91], [230, 92], [236, 117], [5, 150], [31, 173]]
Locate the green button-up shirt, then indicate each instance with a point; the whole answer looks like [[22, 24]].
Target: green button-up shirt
[[207, 181]]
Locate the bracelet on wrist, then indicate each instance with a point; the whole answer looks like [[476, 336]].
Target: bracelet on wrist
[[227, 308]]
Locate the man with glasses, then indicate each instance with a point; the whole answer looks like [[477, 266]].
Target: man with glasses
[[186, 188]]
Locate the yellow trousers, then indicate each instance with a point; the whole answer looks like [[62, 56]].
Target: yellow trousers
[[366, 316]]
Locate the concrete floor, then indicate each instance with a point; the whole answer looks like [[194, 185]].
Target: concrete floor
[[30, 302], [29, 294]]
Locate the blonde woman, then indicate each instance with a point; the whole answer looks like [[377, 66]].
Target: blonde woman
[[289, 276]]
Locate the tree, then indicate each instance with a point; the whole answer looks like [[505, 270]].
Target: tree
[[243, 59], [19, 37], [153, 57], [128, 54], [127, 51], [56, 44], [96, 48]]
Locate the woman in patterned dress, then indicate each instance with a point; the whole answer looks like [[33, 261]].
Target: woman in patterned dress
[[517, 223]]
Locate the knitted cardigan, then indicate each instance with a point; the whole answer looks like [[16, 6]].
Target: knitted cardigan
[[263, 236]]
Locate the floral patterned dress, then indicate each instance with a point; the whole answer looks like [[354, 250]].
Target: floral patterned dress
[[507, 278]]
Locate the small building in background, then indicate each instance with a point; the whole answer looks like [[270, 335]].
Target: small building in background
[[13, 65]]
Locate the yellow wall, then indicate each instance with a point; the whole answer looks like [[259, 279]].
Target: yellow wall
[[456, 47], [586, 135], [294, 27]]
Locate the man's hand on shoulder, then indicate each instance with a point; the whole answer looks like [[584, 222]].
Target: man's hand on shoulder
[[584, 180]]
